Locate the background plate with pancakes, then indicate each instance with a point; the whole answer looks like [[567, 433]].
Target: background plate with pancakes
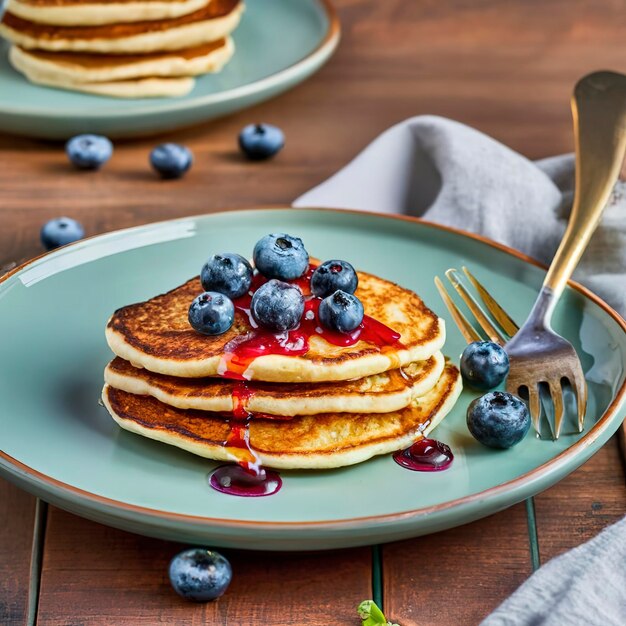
[[125, 58], [199, 62]]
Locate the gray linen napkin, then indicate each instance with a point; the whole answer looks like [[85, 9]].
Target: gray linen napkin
[[446, 172], [449, 173], [585, 586]]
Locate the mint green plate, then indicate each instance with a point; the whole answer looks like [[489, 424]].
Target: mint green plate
[[57, 442], [279, 44]]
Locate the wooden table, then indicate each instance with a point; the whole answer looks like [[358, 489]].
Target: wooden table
[[504, 66]]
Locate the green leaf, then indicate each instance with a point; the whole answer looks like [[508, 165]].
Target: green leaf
[[371, 614]]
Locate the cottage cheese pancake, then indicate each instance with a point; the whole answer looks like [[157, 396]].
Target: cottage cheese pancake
[[379, 393], [97, 12], [156, 335], [68, 68], [215, 21], [309, 442], [149, 87]]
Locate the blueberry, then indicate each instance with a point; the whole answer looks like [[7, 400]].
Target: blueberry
[[171, 160], [281, 256], [89, 152], [199, 574], [227, 273], [484, 365], [261, 141], [498, 419], [60, 231], [342, 312], [277, 306], [333, 275], [212, 313]]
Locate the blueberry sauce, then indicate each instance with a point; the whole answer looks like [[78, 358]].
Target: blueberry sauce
[[425, 455], [242, 351]]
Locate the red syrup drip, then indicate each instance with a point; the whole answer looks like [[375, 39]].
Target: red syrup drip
[[425, 455], [242, 351], [247, 478]]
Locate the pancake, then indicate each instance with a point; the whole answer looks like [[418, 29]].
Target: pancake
[[214, 21], [149, 87], [156, 335], [94, 13], [308, 442], [380, 393], [76, 67]]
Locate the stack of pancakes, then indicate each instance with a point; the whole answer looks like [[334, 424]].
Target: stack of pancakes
[[121, 48], [330, 407]]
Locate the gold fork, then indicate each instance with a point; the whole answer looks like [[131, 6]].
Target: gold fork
[[537, 354]]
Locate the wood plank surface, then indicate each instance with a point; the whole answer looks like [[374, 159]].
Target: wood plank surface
[[504, 66], [102, 576], [457, 576], [17, 519], [583, 504]]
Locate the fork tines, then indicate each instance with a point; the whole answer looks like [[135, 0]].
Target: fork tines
[[491, 321], [498, 335]]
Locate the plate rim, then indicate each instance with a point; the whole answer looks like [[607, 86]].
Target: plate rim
[[321, 52], [15, 468]]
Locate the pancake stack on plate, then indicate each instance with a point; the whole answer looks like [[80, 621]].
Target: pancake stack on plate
[[120, 48], [328, 406]]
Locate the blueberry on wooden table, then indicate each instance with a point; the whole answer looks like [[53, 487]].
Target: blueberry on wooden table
[[261, 141], [199, 574], [89, 152], [60, 231], [171, 160]]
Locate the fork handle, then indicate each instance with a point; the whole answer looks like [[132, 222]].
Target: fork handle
[[599, 111]]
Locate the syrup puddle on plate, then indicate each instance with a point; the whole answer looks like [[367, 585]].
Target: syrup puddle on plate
[[425, 455], [234, 480]]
